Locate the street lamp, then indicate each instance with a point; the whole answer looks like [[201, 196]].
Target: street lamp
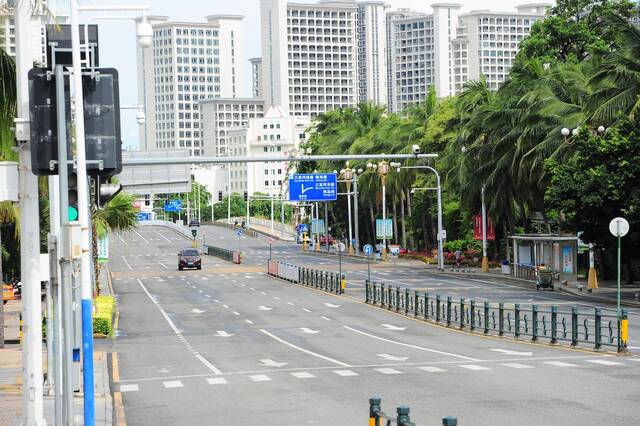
[[382, 168], [347, 174], [438, 189]]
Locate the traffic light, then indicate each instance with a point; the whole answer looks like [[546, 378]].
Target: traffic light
[[246, 196], [72, 195], [219, 195], [105, 192]]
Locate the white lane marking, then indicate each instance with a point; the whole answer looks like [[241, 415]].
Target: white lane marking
[[137, 233], [393, 327], [603, 362], [510, 352], [345, 373], [331, 305], [206, 295], [236, 313], [248, 321], [432, 369], [217, 381], [474, 367], [559, 364], [388, 357], [291, 345], [173, 384], [517, 365], [162, 236], [303, 375], [263, 293], [176, 331], [123, 241], [260, 378], [161, 264], [307, 330], [306, 310], [193, 286], [409, 345], [129, 388], [325, 318], [222, 333], [225, 306], [264, 308], [291, 304], [197, 311], [388, 371], [126, 263], [252, 289], [267, 362], [199, 291], [276, 297]]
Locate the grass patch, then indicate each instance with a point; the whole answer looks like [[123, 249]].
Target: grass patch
[[103, 315]]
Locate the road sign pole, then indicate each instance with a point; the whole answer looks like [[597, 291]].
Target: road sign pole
[[326, 224], [619, 256], [384, 218]]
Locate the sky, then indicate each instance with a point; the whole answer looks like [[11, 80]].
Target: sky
[[118, 49]]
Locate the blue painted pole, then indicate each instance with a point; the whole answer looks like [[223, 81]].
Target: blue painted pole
[[87, 363]]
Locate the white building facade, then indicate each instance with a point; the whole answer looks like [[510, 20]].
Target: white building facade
[[188, 62], [487, 42], [309, 55], [372, 52], [256, 77], [275, 134]]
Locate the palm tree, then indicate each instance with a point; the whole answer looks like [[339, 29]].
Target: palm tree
[[119, 215]]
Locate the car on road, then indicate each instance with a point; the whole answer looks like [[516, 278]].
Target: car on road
[[323, 240], [189, 258], [194, 223]]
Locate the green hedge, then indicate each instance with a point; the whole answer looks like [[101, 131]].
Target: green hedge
[[103, 315]]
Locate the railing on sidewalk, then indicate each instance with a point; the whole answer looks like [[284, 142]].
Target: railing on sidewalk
[[222, 253], [597, 327], [330, 282], [525, 272], [402, 418]]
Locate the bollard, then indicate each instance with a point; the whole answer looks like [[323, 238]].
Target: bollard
[[366, 291], [598, 327], [534, 323], [486, 317], [343, 283], [500, 319], [389, 297], [406, 301], [403, 416], [382, 294], [554, 325], [426, 305], [20, 331], [461, 312], [574, 326], [448, 310], [437, 308], [449, 421], [397, 299], [472, 317], [623, 332], [516, 314], [415, 304], [374, 411]]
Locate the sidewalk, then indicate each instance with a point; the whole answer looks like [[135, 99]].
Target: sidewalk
[[11, 381]]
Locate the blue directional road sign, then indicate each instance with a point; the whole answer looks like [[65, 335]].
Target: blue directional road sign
[[144, 216], [313, 187], [173, 206], [239, 232], [367, 249], [304, 228]]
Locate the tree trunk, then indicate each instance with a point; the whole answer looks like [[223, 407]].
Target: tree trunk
[[395, 222], [94, 254], [404, 227], [411, 241], [373, 223], [507, 255], [1, 290]]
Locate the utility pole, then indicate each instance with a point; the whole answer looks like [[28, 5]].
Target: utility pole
[[485, 259], [355, 211], [83, 218], [32, 399], [228, 193]]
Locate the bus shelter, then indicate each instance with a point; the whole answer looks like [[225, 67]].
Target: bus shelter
[[558, 253]]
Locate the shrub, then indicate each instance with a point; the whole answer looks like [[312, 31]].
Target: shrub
[[103, 315]]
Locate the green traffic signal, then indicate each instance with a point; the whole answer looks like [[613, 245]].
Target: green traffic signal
[[72, 213]]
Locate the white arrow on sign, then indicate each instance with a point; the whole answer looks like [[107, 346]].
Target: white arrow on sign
[[271, 363], [222, 333], [264, 308], [393, 357], [197, 311], [514, 353], [393, 327], [309, 330], [331, 305]]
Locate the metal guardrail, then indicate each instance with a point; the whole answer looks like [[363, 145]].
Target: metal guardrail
[[330, 282], [248, 232], [181, 229], [598, 328], [222, 253], [377, 417]]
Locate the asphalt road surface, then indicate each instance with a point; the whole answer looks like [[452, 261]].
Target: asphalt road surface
[[230, 345]]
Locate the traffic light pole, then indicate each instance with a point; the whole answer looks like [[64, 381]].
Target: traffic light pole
[[83, 217], [32, 388]]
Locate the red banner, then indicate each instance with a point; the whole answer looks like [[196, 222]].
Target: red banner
[[477, 228]]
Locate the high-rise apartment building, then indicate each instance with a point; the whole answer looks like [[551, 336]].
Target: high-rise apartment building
[[309, 55], [256, 77], [372, 52], [188, 62], [487, 42]]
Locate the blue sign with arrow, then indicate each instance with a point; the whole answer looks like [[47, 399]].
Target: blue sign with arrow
[[172, 206], [313, 187], [368, 249]]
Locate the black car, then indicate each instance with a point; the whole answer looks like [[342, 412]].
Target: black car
[[189, 258]]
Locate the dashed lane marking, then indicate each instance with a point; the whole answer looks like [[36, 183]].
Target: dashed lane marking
[[388, 371], [303, 375], [173, 384], [129, 388], [217, 381], [260, 378], [432, 369], [474, 367], [345, 373], [559, 364], [603, 362], [517, 365]]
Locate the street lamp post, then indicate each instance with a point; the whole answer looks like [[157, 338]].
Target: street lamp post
[[382, 168], [348, 174]]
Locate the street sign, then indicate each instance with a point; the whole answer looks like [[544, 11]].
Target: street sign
[[103, 249], [270, 240], [144, 216], [341, 247], [194, 232], [619, 227], [173, 206], [368, 249], [313, 187], [240, 232], [383, 231], [317, 226], [303, 227]]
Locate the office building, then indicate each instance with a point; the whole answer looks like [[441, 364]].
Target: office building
[[256, 77], [309, 55], [187, 63], [372, 52]]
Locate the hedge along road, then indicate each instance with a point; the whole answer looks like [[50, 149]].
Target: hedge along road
[[285, 354]]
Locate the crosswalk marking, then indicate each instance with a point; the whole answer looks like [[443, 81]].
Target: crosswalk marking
[[517, 365], [129, 388], [217, 381], [474, 367], [388, 371], [345, 373], [173, 384], [432, 369], [559, 364], [603, 362], [303, 375], [260, 378]]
